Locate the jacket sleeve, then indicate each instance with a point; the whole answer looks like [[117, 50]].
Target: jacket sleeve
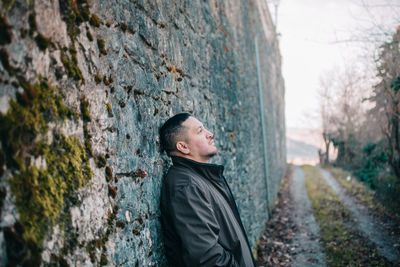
[[198, 229]]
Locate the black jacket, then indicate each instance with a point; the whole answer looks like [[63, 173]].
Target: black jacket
[[200, 220]]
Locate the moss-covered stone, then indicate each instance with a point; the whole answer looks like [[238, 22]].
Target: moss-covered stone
[[89, 35], [108, 173], [95, 21], [7, 4], [102, 46], [97, 78], [74, 13], [103, 259], [91, 250], [23, 32], [109, 109], [112, 191], [101, 161], [40, 192], [71, 65], [28, 117], [85, 110], [88, 144]]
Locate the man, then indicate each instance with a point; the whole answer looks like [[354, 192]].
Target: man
[[200, 220]]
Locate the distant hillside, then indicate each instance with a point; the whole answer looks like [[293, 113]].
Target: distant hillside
[[299, 152]]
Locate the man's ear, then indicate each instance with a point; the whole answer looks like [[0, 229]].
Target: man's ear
[[182, 147]]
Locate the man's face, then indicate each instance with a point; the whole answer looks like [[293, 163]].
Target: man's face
[[199, 141]]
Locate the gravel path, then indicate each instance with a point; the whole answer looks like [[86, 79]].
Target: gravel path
[[371, 226], [307, 251]]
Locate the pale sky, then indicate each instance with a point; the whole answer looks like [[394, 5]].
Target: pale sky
[[310, 31]]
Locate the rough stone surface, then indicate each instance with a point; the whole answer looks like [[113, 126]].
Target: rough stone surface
[[136, 64]]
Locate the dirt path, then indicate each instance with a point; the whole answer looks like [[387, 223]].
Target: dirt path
[[306, 247], [376, 231]]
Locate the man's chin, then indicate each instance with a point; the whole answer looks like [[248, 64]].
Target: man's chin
[[212, 154]]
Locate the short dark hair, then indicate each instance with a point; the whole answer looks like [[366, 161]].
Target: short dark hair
[[169, 132]]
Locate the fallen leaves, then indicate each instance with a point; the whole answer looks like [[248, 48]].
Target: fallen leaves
[[275, 248]]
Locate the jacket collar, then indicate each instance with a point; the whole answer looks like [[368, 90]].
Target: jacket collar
[[207, 170]]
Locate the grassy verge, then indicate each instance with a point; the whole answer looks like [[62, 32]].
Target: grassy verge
[[343, 245], [360, 191]]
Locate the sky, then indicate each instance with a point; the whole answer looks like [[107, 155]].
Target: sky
[[319, 35]]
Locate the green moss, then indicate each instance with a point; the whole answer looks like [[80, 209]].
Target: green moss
[[102, 46], [86, 118], [120, 224], [58, 261], [344, 245], [85, 110], [108, 173], [101, 161], [89, 35], [28, 117], [42, 42], [88, 144], [112, 215], [95, 21], [74, 13], [41, 193], [71, 65], [97, 78], [109, 108], [7, 4], [73, 52], [112, 191], [23, 33], [91, 250], [103, 259]]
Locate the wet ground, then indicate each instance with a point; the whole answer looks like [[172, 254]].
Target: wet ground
[[292, 238]]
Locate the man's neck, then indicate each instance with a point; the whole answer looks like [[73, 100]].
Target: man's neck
[[201, 160]]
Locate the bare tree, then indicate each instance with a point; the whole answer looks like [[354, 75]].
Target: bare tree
[[326, 103], [342, 110]]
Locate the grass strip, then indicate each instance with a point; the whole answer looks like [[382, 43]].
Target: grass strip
[[344, 246], [359, 190]]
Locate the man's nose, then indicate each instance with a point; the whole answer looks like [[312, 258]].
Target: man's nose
[[209, 134]]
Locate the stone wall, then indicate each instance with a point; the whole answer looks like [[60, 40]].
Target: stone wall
[[84, 87]]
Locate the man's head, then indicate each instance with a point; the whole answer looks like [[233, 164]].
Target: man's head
[[185, 136]]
